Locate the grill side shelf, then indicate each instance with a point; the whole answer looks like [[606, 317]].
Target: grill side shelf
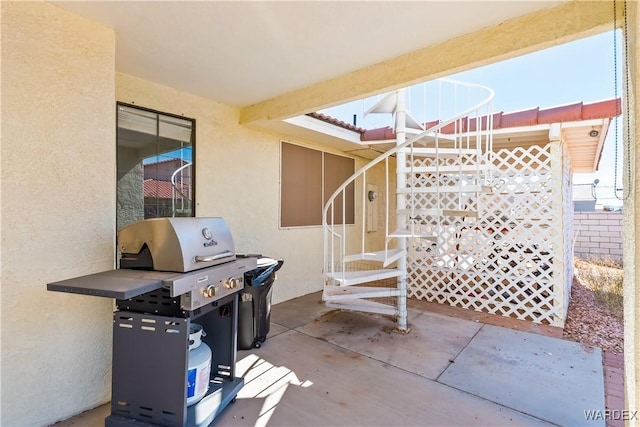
[[118, 284]]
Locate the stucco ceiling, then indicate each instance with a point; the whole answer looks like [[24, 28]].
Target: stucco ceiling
[[241, 53]]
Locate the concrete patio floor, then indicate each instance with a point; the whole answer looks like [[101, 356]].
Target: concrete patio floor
[[323, 366]]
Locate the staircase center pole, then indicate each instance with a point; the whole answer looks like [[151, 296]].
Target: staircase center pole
[[400, 128]]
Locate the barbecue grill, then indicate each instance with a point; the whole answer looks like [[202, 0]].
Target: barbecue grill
[[173, 271]]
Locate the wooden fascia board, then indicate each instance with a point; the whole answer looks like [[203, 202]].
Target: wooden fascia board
[[518, 36]]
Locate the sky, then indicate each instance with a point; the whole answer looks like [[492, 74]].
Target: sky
[[182, 153], [582, 70]]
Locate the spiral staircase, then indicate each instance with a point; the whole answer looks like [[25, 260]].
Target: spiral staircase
[[441, 168]]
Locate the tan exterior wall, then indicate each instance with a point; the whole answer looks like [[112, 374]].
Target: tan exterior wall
[[238, 178], [631, 242], [58, 205], [375, 239]]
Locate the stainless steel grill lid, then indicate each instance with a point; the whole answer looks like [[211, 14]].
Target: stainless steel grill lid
[[176, 244]]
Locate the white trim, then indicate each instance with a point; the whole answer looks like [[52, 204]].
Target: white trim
[[318, 125], [601, 140]]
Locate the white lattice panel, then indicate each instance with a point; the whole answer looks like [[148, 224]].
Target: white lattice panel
[[510, 259]]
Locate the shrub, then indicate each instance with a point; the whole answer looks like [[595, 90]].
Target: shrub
[[605, 278]]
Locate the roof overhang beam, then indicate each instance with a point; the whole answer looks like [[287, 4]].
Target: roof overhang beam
[[515, 37]]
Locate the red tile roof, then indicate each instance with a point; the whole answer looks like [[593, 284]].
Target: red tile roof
[[163, 189], [378, 134], [336, 122], [535, 116]]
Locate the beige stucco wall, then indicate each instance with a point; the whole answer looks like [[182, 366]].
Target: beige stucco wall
[[58, 204], [631, 243], [376, 175], [238, 178]]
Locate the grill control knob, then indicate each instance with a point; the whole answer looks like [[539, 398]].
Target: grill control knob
[[210, 291], [232, 283]]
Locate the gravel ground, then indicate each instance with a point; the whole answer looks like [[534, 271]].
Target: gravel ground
[[591, 323]]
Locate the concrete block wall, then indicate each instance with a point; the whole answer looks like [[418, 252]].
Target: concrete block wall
[[598, 234]]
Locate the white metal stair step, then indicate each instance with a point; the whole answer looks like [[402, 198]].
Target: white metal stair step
[[364, 306], [342, 293], [384, 256], [388, 105], [447, 189], [437, 212], [401, 232], [385, 105], [348, 278]]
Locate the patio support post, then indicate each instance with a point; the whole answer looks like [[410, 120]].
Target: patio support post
[[568, 235], [401, 219], [558, 243]]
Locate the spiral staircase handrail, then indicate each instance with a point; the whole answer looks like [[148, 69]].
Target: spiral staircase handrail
[[407, 143]]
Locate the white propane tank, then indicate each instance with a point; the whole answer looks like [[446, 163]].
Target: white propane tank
[[199, 365]]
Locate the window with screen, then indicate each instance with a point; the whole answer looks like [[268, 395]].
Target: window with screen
[[308, 178]]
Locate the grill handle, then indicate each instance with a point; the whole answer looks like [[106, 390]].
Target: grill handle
[[209, 258]]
